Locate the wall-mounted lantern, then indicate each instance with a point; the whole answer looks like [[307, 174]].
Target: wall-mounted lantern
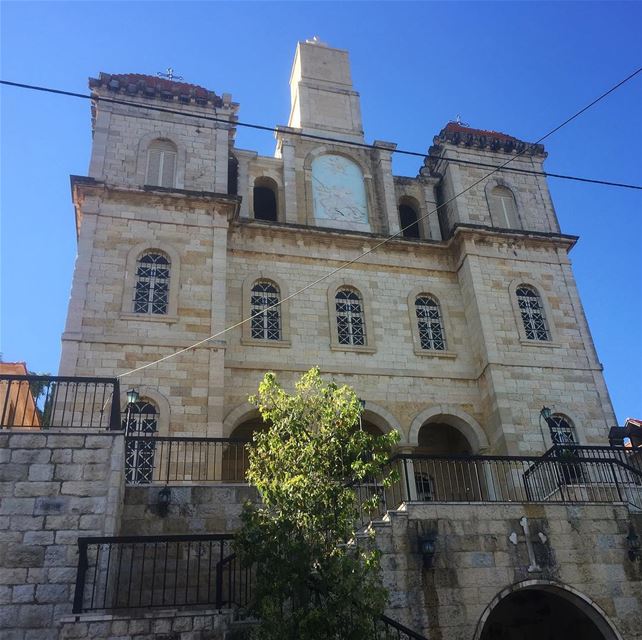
[[132, 396], [428, 546], [633, 542], [164, 500]]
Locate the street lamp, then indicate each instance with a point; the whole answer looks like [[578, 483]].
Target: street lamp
[[545, 414], [132, 398]]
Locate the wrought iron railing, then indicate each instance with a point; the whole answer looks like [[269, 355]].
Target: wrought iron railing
[[44, 402], [626, 455], [176, 459], [131, 572], [565, 479], [388, 629]]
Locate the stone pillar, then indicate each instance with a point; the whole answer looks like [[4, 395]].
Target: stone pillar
[[245, 187], [286, 149], [383, 170]]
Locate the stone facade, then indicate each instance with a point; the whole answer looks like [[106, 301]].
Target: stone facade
[[166, 182]]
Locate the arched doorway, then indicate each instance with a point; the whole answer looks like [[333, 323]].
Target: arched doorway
[[235, 455], [542, 612], [441, 472]]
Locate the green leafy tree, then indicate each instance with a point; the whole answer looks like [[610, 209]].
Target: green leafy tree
[[314, 581]]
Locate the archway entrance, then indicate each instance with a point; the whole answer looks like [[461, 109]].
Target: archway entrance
[[538, 613], [235, 457]]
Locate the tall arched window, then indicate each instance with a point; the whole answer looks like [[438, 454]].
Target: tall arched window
[[151, 292], [430, 323], [503, 209], [532, 312], [265, 202], [140, 422], [266, 318], [408, 220], [351, 326], [161, 163]]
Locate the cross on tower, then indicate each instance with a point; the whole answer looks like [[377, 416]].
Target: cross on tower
[[169, 75]]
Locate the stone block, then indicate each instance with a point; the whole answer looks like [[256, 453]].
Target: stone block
[[68, 471], [183, 623], [74, 630], [88, 456], [26, 523], [28, 441], [41, 634], [36, 615], [47, 505], [83, 488], [17, 506], [30, 456], [38, 537], [62, 441], [9, 616], [33, 489], [5, 594], [41, 472], [62, 575], [56, 556], [24, 555], [23, 593], [46, 593]]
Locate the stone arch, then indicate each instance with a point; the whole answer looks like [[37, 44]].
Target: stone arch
[[455, 417], [237, 416], [381, 418], [141, 156], [587, 606], [333, 151]]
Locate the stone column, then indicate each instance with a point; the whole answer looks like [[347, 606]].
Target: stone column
[[245, 187], [383, 173], [286, 149]]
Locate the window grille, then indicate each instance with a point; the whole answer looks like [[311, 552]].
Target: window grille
[[350, 319], [530, 306], [140, 419], [266, 318], [161, 163], [151, 294], [562, 431], [430, 324]]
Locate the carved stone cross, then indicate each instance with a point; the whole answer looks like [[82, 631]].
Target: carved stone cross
[[514, 538]]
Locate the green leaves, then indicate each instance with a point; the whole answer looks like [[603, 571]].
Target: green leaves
[[314, 582]]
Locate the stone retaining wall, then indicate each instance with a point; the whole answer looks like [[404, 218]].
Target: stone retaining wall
[[54, 487]]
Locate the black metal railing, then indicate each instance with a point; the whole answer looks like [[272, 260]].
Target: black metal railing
[[565, 479], [626, 455], [388, 629], [131, 572], [59, 402], [174, 459]]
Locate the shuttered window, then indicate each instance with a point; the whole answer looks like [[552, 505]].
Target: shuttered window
[[161, 163], [503, 209]]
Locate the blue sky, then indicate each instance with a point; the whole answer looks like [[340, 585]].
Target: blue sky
[[520, 68]]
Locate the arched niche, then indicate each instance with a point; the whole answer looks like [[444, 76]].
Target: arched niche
[[548, 610], [454, 418]]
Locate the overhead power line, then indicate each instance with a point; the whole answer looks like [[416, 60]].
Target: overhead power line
[[378, 244], [311, 136]]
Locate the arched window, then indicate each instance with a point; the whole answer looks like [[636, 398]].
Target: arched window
[[265, 203], [151, 292], [266, 318], [351, 326], [562, 430], [503, 209], [140, 422], [161, 163], [430, 323], [408, 221], [532, 312]]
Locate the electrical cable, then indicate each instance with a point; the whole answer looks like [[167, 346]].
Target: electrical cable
[[378, 244], [311, 136]]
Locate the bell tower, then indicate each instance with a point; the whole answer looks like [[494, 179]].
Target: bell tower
[[322, 97]]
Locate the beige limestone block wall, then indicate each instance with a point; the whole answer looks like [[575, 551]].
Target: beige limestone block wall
[[475, 561]]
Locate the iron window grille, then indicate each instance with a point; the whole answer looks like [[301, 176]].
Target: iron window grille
[[532, 311], [151, 294], [266, 317], [430, 324], [562, 431], [350, 318], [140, 419]]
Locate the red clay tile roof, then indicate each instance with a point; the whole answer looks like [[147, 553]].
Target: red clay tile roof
[[154, 87], [455, 127]]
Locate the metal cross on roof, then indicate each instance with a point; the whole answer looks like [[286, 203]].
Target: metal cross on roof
[[460, 123], [169, 75]]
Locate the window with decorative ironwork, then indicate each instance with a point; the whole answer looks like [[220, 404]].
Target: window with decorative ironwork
[[532, 312], [151, 291], [351, 328], [430, 323], [562, 430], [265, 311], [140, 423], [161, 163]]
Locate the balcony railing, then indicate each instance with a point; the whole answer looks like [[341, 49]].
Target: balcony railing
[[165, 459], [43, 402], [130, 572]]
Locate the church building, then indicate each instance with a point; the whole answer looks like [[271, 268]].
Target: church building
[[446, 300]]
